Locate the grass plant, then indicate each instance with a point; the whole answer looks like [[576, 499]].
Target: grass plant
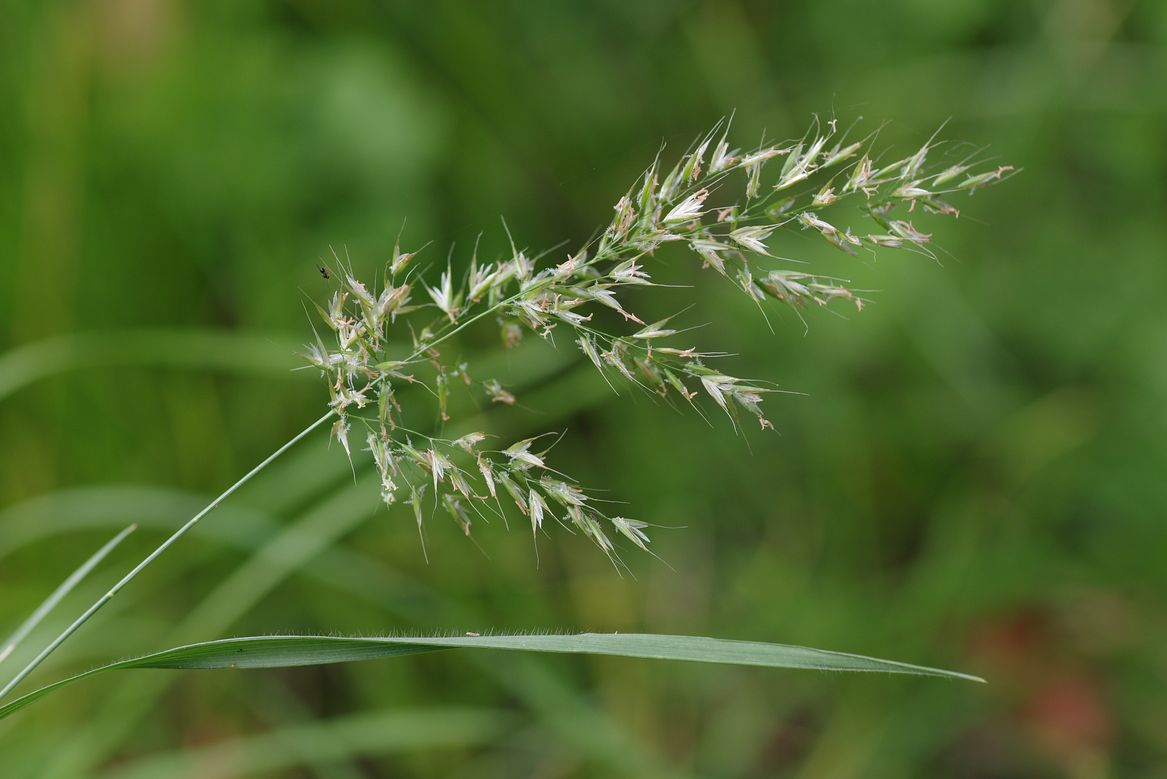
[[388, 344]]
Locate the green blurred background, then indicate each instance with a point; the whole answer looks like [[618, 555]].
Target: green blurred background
[[974, 476]]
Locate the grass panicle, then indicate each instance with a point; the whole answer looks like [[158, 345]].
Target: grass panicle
[[726, 206]]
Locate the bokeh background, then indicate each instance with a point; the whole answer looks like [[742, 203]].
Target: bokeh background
[[973, 476]]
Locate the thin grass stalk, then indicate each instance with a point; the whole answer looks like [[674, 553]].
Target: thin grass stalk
[[59, 594], [129, 577]]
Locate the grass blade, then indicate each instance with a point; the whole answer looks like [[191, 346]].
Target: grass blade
[[293, 651], [59, 594]]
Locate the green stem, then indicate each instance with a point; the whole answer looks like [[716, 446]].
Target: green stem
[[59, 594], [93, 609]]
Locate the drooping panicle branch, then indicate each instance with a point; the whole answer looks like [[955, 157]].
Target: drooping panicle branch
[[728, 207]]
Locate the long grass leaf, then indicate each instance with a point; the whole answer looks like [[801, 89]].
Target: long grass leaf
[[294, 651]]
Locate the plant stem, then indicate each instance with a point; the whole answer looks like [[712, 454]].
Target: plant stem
[[59, 594], [93, 609]]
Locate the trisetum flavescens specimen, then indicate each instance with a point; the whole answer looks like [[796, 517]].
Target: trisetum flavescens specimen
[[726, 206]]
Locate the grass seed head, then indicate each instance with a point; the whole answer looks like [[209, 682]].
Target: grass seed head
[[722, 204]]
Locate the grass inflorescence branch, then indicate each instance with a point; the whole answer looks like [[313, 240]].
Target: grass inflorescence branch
[[725, 205]]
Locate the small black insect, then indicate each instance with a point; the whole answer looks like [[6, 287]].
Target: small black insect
[[324, 272]]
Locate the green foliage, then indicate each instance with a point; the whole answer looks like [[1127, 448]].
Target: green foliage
[[75, 578], [974, 478], [295, 651], [663, 208]]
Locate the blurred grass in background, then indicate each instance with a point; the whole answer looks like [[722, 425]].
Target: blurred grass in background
[[973, 479]]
